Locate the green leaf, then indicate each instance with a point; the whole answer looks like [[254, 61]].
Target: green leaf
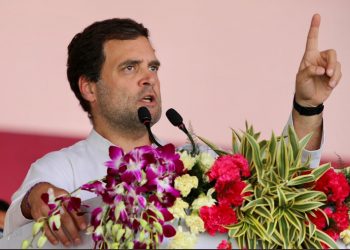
[[346, 171], [302, 234], [325, 238], [263, 145], [311, 227], [271, 203], [290, 196], [264, 212], [300, 180], [319, 171], [271, 226], [258, 191], [240, 242], [272, 149], [310, 195], [237, 230], [248, 188], [235, 142], [258, 229], [312, 244], [282, 200], [282, 160], [252, 244], [297, 224], [265, 245], [302, 207], [325, 215], [284, 231], [293, 232], [253, 204], [296, 166], [211, 145], [292, 218], [276, 178], [277, 238], [293, 140], [278, 213], [303, 142], [256, 155]]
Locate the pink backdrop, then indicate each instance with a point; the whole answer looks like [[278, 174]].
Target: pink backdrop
[[223, 62]]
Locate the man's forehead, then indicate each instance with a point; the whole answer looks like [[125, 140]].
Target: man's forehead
[[140, 43], [129, 49]]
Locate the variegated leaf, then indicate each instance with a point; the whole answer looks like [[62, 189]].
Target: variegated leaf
[[300, 180], [325, 238], [305, 207], [319, 171]]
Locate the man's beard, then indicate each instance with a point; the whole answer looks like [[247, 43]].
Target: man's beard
[[120, 112]]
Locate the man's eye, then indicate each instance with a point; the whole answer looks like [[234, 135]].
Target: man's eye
[[154, 68], [129, 68]]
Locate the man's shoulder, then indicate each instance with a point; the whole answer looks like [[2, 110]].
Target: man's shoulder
[[62, 155]]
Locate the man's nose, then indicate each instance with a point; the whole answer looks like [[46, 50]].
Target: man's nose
[[148, 78]]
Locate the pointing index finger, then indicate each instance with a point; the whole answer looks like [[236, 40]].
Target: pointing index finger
[[312, 37]]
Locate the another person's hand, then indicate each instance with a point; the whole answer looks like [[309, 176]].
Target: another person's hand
[[71, 223], [319, 71]]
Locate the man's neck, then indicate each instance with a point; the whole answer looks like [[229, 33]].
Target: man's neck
[[126, 140]]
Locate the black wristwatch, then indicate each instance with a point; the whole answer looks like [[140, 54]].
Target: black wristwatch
[[307, 111]]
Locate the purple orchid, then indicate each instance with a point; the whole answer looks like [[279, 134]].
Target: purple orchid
[[116, 164], [137, 192], [96, 187], [96, 216], [171, 159], [74, 203]]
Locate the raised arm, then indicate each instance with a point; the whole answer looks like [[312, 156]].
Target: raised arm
[[318, 74]]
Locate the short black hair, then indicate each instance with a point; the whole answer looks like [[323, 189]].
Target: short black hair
[[4, 205], [85, 51]]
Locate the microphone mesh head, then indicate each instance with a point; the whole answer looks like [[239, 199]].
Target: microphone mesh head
[[174, 117], [144, 115]]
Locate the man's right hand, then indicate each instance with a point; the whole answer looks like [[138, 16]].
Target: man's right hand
[[71, 223]]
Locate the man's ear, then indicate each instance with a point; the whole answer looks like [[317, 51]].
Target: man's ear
[[87, 89]]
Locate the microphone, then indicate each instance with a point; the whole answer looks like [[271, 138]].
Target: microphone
[[175, 118], [146, 118]]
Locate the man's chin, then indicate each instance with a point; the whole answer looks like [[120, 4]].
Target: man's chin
[[156, 114], [155, 110]]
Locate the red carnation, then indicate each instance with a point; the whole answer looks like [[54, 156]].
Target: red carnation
[[230, 193], [319, 220], [242, 163], [334, 185], [332, 233], [216, 217], [340, 218], [229, 168], [224, 170], [224, 244]]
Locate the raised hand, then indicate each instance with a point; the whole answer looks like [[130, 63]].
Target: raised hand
[[319, 71], [71, 223]]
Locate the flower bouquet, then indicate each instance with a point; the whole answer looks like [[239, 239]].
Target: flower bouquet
[[261, 195], [136, 193]]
